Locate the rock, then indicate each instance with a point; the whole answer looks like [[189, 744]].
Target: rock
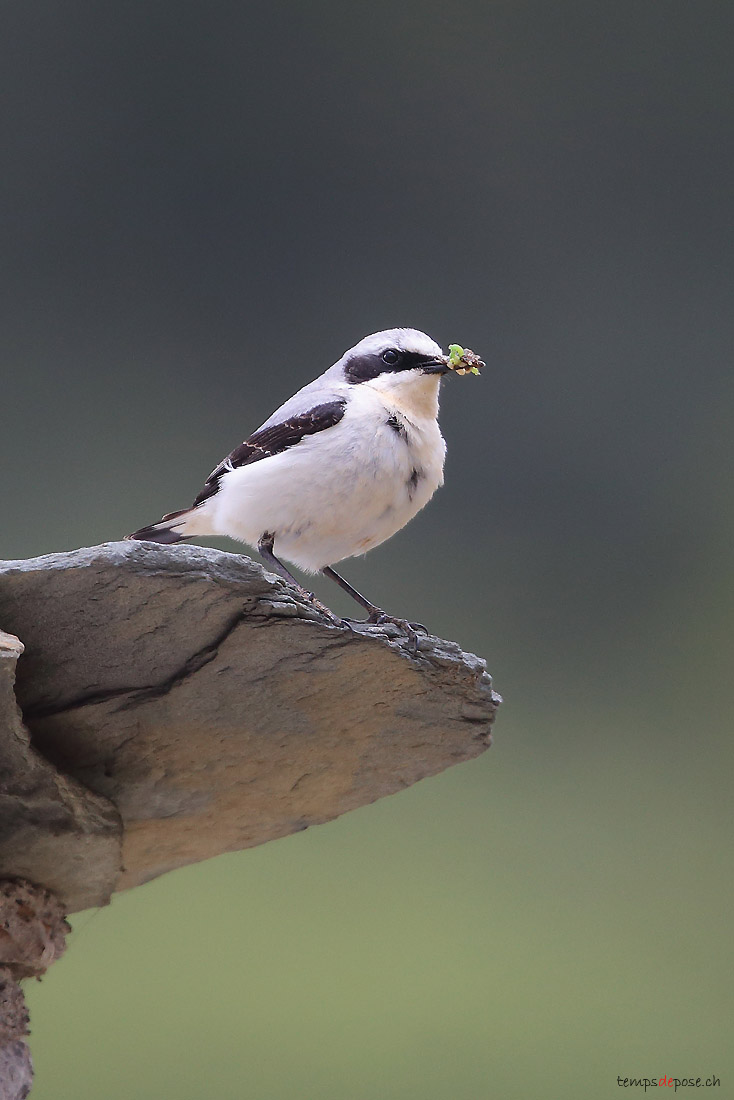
[[209, 705], [16, 1071], [53, 830], [32, 936], [33, 929]]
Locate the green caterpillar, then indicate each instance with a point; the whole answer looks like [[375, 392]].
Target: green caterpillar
[[463, 361]]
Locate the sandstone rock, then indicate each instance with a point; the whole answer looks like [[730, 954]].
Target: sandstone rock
[[53, 830], [209, 705], [32, 936]]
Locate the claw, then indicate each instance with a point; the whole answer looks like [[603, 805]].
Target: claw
[[375, 614], [311, 598], [380, 617]]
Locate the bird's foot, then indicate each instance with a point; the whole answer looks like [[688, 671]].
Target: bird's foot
[[316, 603], [377, 617]]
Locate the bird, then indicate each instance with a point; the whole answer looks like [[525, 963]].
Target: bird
[[339, 468]]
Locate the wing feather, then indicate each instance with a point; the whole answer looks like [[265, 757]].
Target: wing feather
[[273, 440]]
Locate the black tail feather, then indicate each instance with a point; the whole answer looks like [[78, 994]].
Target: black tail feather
[[153, 534], [158, 532]]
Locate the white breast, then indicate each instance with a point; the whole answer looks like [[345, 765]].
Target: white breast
[[344, 490]]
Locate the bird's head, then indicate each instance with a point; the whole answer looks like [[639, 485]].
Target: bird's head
[[403, 365], [396, 356]]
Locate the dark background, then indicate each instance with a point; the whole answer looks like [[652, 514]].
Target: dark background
[[202, 206]]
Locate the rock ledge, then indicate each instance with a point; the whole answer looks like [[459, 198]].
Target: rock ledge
[[182, 702]]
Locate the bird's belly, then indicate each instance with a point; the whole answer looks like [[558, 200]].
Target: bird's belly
[[323, 501]]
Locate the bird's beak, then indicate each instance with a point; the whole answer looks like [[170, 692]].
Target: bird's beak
[[439, 365]]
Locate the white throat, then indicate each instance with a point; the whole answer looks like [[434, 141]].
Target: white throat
[[412, 393]]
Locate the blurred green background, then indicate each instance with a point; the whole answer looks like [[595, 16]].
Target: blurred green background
[[202, 206]]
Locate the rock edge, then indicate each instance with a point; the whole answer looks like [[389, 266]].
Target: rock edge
[[182, 702]]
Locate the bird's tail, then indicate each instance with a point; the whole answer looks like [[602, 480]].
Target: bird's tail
[[175, 527]]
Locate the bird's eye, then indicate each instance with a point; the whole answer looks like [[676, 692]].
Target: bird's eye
[[391, 357]]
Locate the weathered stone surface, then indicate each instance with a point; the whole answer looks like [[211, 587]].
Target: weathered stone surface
[[33, 928], [216, 710], [32, 936], [16, 1071], [14, 1018], [52, 829]]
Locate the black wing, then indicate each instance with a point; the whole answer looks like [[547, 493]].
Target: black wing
[[273, 440]]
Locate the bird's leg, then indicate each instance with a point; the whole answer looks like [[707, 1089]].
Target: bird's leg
[[375, 614], [265, 548], [373, 611]]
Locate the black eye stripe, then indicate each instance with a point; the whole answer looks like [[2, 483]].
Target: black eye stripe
[[361, 368]]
